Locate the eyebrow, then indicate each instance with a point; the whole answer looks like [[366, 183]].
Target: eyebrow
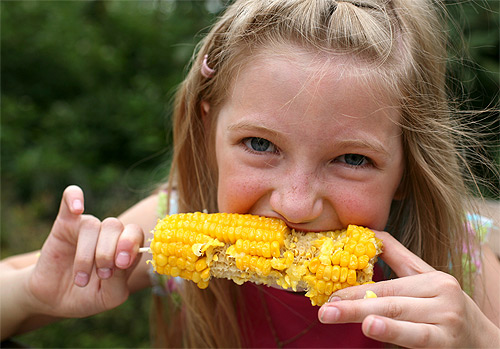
[[374, 146], [249, 126]]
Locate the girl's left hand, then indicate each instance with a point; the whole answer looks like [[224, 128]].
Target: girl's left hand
[[421, 308]]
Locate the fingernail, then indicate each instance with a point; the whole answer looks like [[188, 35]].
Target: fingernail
[[81, 279], [334, 299], [122, 260], [376, 327], [77, 205], [329, 314], [104, 273]]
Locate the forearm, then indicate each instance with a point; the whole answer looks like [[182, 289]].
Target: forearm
[[17, 315], [14, 310]]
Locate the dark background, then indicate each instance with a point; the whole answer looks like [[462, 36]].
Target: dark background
[[86, 89]]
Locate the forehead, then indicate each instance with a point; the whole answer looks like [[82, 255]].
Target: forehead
[[287, 73]]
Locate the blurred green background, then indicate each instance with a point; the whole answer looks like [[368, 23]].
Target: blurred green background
[[86, 93]]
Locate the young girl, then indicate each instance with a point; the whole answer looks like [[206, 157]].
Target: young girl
[[323, 114]]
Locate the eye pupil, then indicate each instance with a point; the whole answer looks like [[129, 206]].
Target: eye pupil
[[354, 159], [260, 144]]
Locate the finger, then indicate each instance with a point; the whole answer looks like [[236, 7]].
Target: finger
[[68, 218], [399, 308], [403, 333], [401, 260], [111, 229], [116, 289], [411, 286], [131, 239], [85, 250], [72, 202]]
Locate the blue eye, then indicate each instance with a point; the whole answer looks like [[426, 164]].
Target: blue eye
[[354, 159], [259, 144]]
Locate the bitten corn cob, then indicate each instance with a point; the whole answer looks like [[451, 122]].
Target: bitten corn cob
[[198, 246]]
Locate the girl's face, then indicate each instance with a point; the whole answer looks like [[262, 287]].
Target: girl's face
[[308, 143]]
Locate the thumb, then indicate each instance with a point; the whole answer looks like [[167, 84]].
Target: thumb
[[401, 260], [70, 211]]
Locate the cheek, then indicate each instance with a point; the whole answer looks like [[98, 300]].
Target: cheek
[[238, 188], [237, 194], [363, 207]]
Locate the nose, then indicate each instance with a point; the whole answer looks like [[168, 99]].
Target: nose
[[297, 198]]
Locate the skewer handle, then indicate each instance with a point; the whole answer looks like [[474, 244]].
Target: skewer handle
[[144, 249]]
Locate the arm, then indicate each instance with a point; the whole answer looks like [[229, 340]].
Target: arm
[[491, 209], [84, 268], [486, 292]]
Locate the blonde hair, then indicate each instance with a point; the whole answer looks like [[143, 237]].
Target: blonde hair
[[405, 41]]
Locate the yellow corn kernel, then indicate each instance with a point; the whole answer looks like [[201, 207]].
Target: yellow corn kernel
[[202, 284], [353, 262], [336, 257], [275, 249], [343, 274], [181, 263], [351, 277], [363, 261], [321, 286], [329, 288], [335, 273], [172, 261], [350, 246], [327, 273], [313, 265], [174, 271], [344, 259], [369, 294], [320, 271], [161, 260], [196, 277], [360, 249], [205, 274], [266, 249], [371, 251], [201, 264]]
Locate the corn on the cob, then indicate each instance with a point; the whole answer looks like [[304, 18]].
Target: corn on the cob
[[198, 246]]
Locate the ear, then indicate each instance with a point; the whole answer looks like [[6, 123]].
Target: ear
[[205, 115]]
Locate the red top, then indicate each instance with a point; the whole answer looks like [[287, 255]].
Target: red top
[[277, 318]]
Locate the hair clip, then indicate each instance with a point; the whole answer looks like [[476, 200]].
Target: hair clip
[[206, 71]]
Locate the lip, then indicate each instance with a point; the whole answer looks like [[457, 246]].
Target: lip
[[301, 227]]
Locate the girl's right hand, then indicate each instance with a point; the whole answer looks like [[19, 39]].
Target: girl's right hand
[[84, 264]]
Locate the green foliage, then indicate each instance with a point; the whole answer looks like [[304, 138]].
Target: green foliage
[[474, 75], [86, 94], [86, 99], [86, 89]]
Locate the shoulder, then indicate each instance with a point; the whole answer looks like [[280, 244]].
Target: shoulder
[[490, 213], [486, 223], [142, 213]]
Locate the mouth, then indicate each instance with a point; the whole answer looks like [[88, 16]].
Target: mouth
[[304, 228]]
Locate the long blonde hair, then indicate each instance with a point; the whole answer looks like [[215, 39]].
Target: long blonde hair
[[404, 40]]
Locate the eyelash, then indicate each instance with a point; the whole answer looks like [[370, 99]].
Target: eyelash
[[366, 159], [250, 149]]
